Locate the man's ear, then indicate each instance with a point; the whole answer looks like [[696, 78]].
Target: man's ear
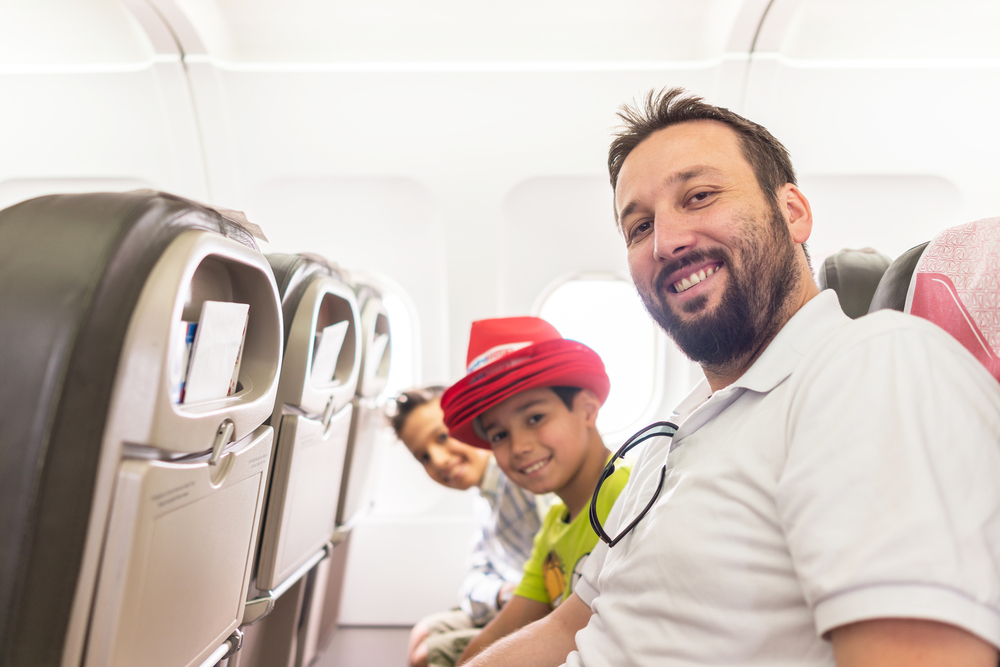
[[795, 205], [587, 401]]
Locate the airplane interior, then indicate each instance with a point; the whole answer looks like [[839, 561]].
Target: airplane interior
[[232, 231]]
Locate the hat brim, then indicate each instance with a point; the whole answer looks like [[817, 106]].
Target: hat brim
[[551, 363]]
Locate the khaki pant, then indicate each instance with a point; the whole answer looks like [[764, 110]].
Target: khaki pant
[[449, 632]]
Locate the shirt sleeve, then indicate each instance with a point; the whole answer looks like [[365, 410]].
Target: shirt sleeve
[[478, 592], [889, 496]]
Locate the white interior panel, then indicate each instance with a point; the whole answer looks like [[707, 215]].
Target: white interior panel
[[893, 30], [554, 226], [890, 121], [889, 213], [70, 32], [86, 97], [452, 30]]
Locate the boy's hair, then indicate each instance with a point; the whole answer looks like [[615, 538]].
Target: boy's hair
[[566, 395], [409, 401]]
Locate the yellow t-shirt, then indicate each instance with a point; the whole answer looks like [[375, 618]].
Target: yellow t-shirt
[[562, 548]]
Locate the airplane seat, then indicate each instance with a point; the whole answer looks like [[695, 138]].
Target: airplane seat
[[312, 417], [357, 486], [892, 289], [954, 281], [356, 492], [853, 275], [129, 516]]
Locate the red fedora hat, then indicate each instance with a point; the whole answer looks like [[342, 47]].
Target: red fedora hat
[[509, 355]]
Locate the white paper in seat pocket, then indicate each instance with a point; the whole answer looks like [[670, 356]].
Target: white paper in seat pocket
[[216, 348], [330, 341]]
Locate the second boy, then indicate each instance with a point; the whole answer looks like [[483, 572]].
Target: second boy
[[533, 397]]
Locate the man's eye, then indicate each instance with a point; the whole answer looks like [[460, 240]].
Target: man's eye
[[699, 197], [638, 230]]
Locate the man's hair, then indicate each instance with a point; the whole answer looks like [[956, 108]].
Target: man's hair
[[769, 159], [404, 405]]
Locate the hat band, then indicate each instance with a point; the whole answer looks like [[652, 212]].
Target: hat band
[[494, 353]]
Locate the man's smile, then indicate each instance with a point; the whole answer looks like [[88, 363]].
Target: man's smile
[[695, 276]]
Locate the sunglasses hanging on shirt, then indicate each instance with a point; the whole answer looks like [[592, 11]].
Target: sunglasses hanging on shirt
[[654, 430]]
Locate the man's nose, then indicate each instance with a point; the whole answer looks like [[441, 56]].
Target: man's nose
[[672, 237]]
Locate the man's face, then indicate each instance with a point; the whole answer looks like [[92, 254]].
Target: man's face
[[710, 254]]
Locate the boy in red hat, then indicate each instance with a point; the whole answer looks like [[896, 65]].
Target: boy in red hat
[[533, 397]]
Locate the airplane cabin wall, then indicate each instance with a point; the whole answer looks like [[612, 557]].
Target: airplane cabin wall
[[462, 160], [457, 153], [888, 109], [93, 100]]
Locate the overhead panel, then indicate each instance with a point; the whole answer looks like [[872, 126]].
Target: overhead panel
[[94, 98], [888, 110]]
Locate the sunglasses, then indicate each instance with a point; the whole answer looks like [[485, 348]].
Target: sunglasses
[[654, 430]]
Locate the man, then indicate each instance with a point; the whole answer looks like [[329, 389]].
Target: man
[[831, 494]]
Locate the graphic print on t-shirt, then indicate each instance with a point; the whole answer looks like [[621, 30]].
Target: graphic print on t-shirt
[[555, 577]]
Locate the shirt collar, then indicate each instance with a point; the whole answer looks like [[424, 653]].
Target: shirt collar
[[809, 327], [813, 322]]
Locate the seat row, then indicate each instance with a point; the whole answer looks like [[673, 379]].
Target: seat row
[[952, 280], [186, 435]]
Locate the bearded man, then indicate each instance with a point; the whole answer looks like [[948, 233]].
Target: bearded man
[[831, 495]]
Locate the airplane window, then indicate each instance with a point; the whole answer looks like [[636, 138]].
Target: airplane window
[[405, 368], [605, 313], [404, 372]]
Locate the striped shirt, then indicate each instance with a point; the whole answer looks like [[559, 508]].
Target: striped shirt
[[508, 518]]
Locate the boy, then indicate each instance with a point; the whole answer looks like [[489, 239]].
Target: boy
[[507, 516], [533, 397]]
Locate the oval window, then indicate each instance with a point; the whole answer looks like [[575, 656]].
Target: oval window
[[605, 313]]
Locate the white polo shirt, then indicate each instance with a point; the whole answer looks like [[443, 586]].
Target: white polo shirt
[[852, 473]]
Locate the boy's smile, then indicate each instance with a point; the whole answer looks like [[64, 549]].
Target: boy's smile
[[545, 447], [535, 467], [446, 460]]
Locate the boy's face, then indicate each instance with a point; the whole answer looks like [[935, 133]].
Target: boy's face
[[448, 462], [537, 441]]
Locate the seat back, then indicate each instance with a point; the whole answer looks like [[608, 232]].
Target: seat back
[[853, 275], [312, 413], [129, 519], [357, 488], [376, 357], [953, 281]]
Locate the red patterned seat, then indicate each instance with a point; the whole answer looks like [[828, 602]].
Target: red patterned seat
[[955, 283]]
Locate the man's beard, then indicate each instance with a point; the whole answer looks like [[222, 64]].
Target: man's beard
[[749, 312]]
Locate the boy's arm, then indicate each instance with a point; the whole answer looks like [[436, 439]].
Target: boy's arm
[[545, 643], [514, 615]]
